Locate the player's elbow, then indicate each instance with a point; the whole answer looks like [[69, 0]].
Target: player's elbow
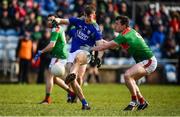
[[52, 45]]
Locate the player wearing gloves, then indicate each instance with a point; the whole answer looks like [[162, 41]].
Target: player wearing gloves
[[57, 46], [87, 34]]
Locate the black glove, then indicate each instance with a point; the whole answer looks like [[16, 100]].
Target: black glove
[[98, 62], [54, 23], [92, 60], [95, 61]]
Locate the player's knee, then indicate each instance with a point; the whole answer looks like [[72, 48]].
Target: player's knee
[[127, 76], [79, 60]]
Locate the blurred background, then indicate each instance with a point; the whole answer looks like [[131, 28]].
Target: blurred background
[[23, 30]]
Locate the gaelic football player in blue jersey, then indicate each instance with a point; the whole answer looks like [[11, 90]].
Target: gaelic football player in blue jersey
[[87, 35]]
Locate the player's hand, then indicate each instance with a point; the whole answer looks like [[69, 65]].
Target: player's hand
[[54, 23], [57, 20], [38, 54]]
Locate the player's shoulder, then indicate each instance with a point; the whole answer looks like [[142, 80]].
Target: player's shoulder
[[76, 18], [95, 26], [126, 31], [57, 29]]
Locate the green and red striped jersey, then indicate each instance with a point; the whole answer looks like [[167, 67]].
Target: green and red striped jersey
[[60, 49], [132, 41]]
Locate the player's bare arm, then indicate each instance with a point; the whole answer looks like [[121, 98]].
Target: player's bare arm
[[49, 47], [62, 21], [104, 46], [100, 43]]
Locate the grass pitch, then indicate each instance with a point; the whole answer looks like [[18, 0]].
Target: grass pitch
[[105, 100]]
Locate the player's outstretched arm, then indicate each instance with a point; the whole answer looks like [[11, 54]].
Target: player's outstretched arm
[[54, 37], [99, 43], [62, 21], [49, 47], [104, 46]]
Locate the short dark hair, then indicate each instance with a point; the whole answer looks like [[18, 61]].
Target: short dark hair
[[123, 19], [50, 15], [89, 9]]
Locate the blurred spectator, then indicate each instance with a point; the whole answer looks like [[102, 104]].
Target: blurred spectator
[[6, 21], [19, 7], [66, 6], [112, 11], [145, 27], [18, 23], [169, 49], [39, 22], [124, 10], [79, 6], [175, 24], [48, 7], [164, 16], [36, 7], [45, 57], [157, 41], [37, 34], [24, 55], [29, 5], [32, 21], [158, 37], [107, 30], [4, 5]]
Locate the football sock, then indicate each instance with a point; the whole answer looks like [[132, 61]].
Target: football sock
[[134, 98], [47, 95], [141, 100], [97, 78], [71, 93], [84, 102]]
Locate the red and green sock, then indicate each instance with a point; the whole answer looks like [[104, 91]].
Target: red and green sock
[[141, 100]]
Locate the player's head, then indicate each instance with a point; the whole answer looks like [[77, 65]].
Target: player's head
[[121, 23], [51, 17], [90, 13]]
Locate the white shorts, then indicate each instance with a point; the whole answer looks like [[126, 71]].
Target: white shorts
[[55, 60], [150, 64], [72, 56]]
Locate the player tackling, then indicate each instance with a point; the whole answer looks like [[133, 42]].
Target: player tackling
[[146, 62]]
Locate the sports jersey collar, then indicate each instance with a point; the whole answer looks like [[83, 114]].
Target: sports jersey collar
[[125, 31]]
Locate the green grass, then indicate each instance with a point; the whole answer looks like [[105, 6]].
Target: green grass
[[105, 100]]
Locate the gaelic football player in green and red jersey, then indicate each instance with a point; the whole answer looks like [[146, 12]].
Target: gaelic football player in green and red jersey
[[146, 62], [59, 52]]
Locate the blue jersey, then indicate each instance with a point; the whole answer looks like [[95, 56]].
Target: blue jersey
[[72, 32], [85, 34]]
